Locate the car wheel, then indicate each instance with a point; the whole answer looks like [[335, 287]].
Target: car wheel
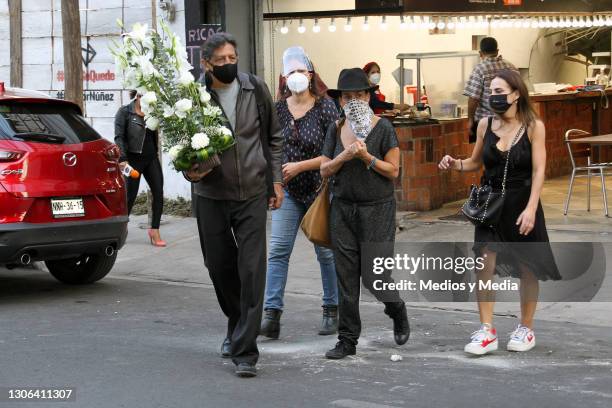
[[82, 269]]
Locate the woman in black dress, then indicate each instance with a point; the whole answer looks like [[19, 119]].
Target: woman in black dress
[[518, 246]]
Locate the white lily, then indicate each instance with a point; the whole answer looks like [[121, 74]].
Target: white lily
[[139, 32], [168, 111]]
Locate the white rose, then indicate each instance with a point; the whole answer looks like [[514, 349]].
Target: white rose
[[225, 131], [148, 98], [168, 111], [200, 141], [152, 123], [174, 151], [185, 78], [182, 106], [204, 95]]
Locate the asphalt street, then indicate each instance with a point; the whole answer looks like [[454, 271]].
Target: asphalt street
[[149, 334]]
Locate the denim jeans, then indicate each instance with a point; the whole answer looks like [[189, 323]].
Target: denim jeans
[[285, 225]]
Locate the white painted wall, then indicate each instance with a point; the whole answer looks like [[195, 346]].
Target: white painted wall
[[43, 57]]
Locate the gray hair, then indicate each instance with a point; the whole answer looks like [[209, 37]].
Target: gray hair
[[215, 42]]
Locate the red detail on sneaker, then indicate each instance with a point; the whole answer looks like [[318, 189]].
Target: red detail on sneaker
[[529, 338], [486, 342]]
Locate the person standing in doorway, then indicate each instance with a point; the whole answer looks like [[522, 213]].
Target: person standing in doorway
[[478, 88], [232, 199], [304, 116]]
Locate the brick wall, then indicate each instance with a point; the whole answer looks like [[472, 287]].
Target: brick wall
[[421, 185]]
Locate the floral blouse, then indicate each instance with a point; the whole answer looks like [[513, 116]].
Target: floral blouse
[[303, 140]]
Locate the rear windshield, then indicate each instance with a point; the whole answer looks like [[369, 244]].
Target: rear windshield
[[32, 121]]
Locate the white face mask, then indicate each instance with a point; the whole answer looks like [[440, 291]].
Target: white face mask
[[297, 82], [375, 79]]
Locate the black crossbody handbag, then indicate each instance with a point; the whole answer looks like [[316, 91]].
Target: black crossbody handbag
[[484, 205]]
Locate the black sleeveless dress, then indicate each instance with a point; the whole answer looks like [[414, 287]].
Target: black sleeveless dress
[[533, 250]]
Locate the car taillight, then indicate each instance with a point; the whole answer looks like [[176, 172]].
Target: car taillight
[[9, 155], [113, 153]]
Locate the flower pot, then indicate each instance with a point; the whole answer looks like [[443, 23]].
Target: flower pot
[[210, 163]]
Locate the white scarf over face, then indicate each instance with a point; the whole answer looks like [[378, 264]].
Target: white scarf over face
[[359, 115]]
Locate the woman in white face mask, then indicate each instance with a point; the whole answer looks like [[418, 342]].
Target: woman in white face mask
[[304, 115], [377, 99]]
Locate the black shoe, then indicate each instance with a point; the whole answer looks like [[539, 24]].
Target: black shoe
[[226, 348], [270, 325], [246, 370], [329, 323], [341, 350], [401, 326]]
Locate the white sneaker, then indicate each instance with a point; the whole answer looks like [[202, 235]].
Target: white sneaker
[[484, 340], [521, 339]]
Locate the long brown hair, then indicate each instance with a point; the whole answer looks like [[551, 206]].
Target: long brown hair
[[524, 110]]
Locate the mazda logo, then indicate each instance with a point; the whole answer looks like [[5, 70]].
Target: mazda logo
[[70, 159]]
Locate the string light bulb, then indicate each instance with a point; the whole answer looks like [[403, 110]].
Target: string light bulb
[[332, 26], [284, 29], [301, 29], [383, 23], [366, 25], [316, 28], [348, 27]]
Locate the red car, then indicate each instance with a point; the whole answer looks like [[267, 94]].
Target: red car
[[62, 194]]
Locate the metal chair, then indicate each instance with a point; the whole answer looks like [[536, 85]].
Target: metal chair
[[583, 151]]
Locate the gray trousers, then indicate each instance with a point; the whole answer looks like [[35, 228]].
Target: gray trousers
[[359, 233]]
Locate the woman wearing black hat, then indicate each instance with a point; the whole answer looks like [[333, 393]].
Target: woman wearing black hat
[[361, 156]]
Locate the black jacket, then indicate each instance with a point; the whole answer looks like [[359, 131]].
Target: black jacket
[[253, 164], [129, 131]]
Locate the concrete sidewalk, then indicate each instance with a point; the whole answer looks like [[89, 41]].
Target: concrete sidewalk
[[182, 260]]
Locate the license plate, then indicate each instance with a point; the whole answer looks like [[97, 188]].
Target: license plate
[[67, 207]]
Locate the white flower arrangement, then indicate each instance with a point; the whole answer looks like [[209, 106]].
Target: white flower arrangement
[[155, 65]]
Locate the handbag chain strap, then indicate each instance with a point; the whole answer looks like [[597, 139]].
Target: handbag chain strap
[[520, 131]]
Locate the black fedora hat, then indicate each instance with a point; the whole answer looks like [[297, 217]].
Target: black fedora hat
[[351, 80]]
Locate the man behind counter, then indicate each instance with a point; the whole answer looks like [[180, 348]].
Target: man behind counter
[[477, 88]]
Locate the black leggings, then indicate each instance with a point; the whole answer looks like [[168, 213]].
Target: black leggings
[[150, 168]]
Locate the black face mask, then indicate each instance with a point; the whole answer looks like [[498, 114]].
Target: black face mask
[[499, 103], [225, 73]]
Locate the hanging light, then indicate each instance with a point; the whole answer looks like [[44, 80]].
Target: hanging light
[[517, 23], [461, 23], [451, 23], [348, 27], [316, 28], [301, 29], [470, 22], [423, 24], [403, 24], [332, 26], [589, 22], [413, 24], [284, 29], [525, 22], [366, 25], [383, 23], [441, 24], [609, 21]]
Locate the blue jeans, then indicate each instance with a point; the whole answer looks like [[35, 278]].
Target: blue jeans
[[285, 225]]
